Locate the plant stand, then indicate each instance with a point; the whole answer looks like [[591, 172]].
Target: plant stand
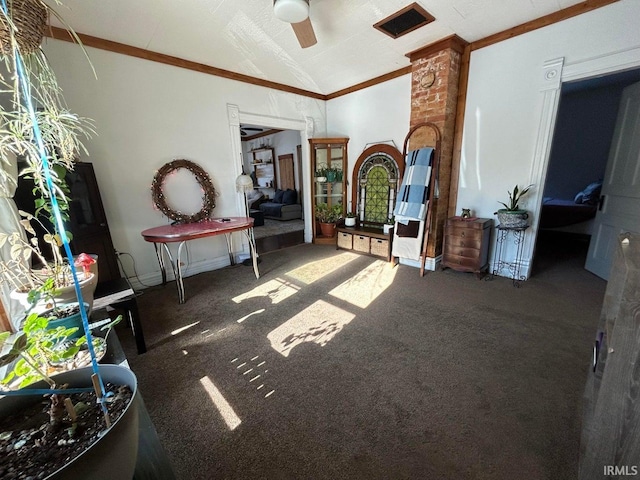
[[512, 267]]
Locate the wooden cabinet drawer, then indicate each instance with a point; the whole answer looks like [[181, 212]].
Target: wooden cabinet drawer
[[361, 243], [461, 251], [461, 263], [379, 247], [463, 242], [467, 233], [345, 240]]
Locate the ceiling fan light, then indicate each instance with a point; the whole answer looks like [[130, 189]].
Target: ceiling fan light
[[291, 11]]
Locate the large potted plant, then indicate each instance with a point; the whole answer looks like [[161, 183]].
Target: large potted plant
[[512, 216], [327, 217], [36, 125], [81, 437]]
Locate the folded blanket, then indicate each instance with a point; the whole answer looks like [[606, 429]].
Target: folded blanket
[[413, 196]]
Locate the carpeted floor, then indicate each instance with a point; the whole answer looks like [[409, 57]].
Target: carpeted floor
[[336, 366], [277, 227]]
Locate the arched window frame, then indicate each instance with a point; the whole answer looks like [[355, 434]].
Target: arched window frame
[[380, 155]]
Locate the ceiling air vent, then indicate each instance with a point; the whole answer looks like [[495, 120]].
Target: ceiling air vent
[[405, 21]]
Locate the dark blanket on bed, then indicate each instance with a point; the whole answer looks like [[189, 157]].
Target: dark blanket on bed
[[559, 213]]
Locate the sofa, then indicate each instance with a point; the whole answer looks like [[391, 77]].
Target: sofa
[[283, 206]]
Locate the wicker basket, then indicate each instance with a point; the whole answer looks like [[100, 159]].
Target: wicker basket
[[30, 20], [379, 247]]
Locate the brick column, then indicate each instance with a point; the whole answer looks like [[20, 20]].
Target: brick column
[[437, 104]]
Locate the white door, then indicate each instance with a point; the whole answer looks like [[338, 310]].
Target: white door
[[619, 210]]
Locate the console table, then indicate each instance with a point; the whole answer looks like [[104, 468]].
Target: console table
[[181, 233]]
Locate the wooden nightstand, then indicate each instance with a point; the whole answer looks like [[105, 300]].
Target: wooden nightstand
[[466, 245]]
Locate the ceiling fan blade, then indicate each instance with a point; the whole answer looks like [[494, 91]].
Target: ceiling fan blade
[[304, 32]]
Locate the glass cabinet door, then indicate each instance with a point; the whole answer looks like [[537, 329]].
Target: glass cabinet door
[[329, 164]]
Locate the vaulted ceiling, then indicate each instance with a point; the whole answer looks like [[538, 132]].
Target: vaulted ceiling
[[243, 36]]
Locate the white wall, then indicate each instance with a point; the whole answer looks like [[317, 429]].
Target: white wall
[[147, 114], [505, 108], [378, 114]]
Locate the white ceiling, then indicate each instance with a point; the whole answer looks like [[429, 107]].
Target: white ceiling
[[244, 37]]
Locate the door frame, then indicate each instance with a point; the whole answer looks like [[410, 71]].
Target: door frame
[[554, 73], [306, 128]]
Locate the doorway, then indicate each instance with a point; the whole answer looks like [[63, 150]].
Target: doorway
[[265, 148], [578, 159]]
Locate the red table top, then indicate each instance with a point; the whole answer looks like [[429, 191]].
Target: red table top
[[190, 231]]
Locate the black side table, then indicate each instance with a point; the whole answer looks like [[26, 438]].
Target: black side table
[[153, 462], [128, 303], [512, 267]]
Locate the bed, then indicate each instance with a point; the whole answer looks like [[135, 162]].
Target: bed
[[574, 214], [561, 213]]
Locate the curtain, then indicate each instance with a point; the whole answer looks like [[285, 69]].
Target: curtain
[[9, 223]]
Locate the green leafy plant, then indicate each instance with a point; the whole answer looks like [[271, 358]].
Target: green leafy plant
[[321, 172], [38, 349], [30, 83], [326, 214], [390, 220], [514, 198], [350, 215]]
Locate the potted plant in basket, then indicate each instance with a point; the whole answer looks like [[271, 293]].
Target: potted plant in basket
[[327, 217], [511, 216]]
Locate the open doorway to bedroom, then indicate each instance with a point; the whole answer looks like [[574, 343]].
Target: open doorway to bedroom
[[584, 129], [272, 157]]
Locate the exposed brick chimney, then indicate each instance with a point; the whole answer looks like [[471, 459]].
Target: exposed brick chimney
[[437, 103]]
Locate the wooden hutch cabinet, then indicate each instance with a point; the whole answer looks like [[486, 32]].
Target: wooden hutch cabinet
[[328, 154]]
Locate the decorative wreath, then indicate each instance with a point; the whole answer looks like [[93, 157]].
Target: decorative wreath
[[202, 177]]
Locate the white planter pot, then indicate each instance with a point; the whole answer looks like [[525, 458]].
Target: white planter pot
[[386, 228], [350, 221], [512, 218], [66, 295], [114, 454]]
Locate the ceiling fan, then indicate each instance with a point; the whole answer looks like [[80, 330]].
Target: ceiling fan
[[296, 12], [244, 131]]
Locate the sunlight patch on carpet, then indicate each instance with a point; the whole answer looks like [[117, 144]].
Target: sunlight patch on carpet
[[257, 312], [318, 323], [186, 327], [364, 287], [312, 271], [226, 411], [275, 290]]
